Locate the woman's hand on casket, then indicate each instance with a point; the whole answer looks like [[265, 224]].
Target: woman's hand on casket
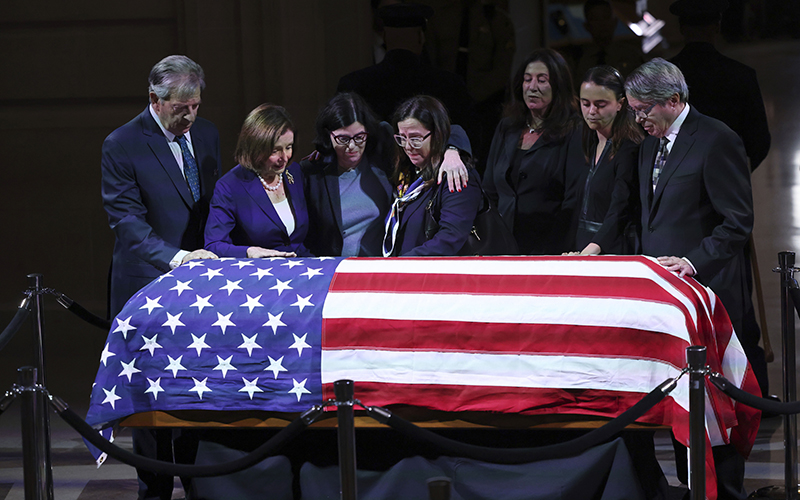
[[198, 254], [258, 252]]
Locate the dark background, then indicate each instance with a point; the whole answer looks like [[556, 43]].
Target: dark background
[[72, 72]]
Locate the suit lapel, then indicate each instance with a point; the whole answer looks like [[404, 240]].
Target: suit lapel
[[649, 152], [294, 193], [332, 187], [420, 203], [201, 150], [158, 145], [511, 143], [255, 190]]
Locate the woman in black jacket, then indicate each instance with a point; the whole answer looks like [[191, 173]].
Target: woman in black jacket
[[526, 170], [607, 182]]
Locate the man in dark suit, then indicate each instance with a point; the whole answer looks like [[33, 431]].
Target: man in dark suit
[[404, 73], [716, 81], [158, 175], [697, 207]]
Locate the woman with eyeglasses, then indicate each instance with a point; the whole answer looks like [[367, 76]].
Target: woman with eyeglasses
[[426, 219], [347, 179], [258, 208], [526, 169], [607, 165]]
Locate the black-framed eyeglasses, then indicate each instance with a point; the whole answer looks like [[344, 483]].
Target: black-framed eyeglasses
[[344, 140], [641, 114], [414, 142]]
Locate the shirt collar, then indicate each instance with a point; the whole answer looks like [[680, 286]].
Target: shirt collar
[[672, 131], [169, 135]]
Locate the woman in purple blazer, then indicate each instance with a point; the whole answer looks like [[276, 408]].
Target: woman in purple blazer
[[258, 208], [422, 131]]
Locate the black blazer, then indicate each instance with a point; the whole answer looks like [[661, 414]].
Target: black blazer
[[325, 206], [702, 208], [533, 204], [608, 196], [148, 201]]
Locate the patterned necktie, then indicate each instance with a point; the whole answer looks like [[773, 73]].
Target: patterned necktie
[[190, 167], [661, 160]]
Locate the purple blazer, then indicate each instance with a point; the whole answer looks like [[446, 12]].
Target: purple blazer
[[241, 215]]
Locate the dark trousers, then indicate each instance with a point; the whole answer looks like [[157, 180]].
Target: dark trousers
[[161, 444], [729, 465]]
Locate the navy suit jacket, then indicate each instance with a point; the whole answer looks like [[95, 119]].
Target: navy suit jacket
[[148, 201], [242, 215], [458, 211], [702, 208]]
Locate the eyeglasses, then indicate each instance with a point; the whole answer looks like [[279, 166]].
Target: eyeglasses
[[642, 114], [414, 142], [344, 140]]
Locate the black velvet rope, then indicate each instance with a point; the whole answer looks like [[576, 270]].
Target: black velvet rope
[[83, 313], [523, 455], [13, 326], [765, 405], [171, 469]]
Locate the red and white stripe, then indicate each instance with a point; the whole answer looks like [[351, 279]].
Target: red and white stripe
[[531, 335]]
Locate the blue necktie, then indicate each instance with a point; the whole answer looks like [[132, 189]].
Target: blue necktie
[[190, 168]]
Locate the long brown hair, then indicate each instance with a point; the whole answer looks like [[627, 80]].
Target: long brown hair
[[432, 114], [624, 126], [560, 118]]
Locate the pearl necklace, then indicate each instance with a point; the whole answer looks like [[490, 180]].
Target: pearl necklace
[[267, 186]]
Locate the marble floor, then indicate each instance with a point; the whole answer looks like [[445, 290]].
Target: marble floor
[[776, 191]]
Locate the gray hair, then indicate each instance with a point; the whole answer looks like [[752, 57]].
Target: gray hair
[[176, 76], [656, 81]]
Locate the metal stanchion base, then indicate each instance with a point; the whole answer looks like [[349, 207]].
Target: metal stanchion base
[[772, 492]]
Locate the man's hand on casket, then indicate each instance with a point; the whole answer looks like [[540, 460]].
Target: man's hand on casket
[[199, 254], [678, 265], [258, 253]]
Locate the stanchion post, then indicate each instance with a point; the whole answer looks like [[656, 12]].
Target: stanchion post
[[344, 392], [38, 478], [35, 281], [786, 264], [696, 359]]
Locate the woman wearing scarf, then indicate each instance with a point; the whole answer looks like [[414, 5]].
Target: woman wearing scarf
[[422, 130]]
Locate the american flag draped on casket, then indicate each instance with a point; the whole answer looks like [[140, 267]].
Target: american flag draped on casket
[[529, 335]]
